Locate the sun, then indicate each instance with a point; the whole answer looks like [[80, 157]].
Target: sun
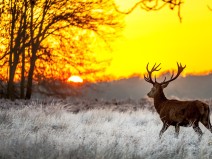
[[76, 79]]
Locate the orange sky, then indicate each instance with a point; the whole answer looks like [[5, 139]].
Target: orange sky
[[158, 36]]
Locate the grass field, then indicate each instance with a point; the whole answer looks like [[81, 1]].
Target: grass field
[[110, 130]]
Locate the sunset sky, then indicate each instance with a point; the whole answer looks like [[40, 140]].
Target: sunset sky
[[158, 36]]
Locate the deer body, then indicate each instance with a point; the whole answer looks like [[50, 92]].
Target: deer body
[[177, 113], [183, 113]]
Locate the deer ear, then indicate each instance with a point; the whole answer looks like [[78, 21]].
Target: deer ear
[[165, 85]]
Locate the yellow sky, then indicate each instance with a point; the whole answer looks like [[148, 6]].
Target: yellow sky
[[158, 36]]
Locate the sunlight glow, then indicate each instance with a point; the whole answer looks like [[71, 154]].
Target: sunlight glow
[[159, 37], [75, 79]]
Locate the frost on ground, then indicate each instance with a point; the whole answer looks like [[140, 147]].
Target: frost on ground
[[51, 130]]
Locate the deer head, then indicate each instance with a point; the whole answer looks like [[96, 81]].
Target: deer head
[[158, 87]]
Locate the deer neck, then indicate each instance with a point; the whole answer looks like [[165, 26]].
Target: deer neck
[[158, 101]]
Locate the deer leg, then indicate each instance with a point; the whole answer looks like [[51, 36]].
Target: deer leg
[[164, 128], [198, 130], [177, 130], [207, 124]]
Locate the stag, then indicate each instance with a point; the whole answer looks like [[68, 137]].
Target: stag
[[174, 112]]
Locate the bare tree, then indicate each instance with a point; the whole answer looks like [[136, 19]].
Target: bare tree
[[96, 16], [32, 23], [154, 5], [13, 23]]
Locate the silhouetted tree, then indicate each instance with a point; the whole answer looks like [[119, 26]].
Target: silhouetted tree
[[97, 16], [13, 37], [153, 5], [31, 24]]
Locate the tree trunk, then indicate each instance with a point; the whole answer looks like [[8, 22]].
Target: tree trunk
[[11, 58], [10, 85], [22, 89], [30, 78], [33, 57]]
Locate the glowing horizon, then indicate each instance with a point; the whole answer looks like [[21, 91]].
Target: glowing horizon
[[159, 37], [75, 79]]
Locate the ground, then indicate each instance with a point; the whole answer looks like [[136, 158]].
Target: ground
[[93, 129]]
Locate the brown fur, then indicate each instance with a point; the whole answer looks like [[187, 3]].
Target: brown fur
[[174, 112], [180, 113]]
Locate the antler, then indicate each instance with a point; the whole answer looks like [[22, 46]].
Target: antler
[[155, 68], [180, 69], [149, 77]]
